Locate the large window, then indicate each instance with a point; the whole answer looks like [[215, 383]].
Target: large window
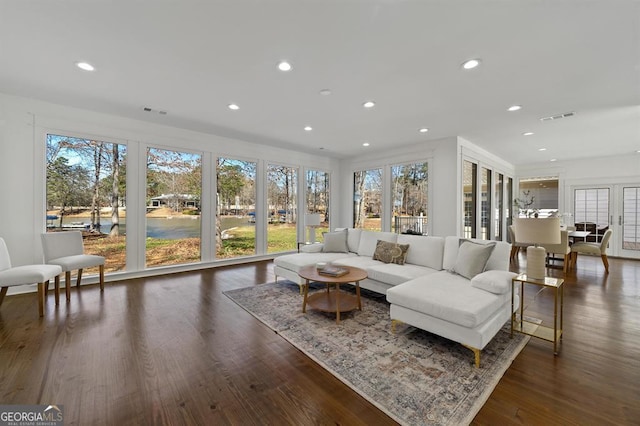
[[485, 207], [367, 199], [631, 218], [317, 196], [499, 206], [409, 198], [469, 198], [236, 203], [86, 191], [282, 209], [174, 188]]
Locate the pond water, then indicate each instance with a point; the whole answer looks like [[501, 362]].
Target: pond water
[[174, 228]]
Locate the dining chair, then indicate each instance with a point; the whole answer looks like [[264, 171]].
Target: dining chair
[[563, 249], [11, 276], [598, 249], [65, 249], [515, 246]]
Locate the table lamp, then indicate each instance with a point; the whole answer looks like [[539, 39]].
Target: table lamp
[[537, 231], [312, 221]]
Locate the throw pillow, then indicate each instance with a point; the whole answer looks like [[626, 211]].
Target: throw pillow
[[472, 258], [390, 252], [496, 282], [335, 242]]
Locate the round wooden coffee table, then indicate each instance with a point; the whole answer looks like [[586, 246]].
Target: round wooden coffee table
[[332, 301]]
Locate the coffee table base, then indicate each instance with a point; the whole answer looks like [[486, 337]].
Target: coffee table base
[[332, 301]]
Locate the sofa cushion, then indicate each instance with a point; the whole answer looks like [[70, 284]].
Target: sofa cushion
[[472, 258], [353, 238], [390, 252], [362, 262], [295, 261], [311, 248], [449, 297], [393, 274], [424, 251], [499, 259], [369, 239], [335, 242], [497, 282]]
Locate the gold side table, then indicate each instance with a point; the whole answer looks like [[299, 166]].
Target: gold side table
[[520, 325]]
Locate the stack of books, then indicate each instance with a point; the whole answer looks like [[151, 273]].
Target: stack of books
[[333, 271]]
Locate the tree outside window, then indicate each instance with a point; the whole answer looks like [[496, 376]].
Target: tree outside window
[[86, 191], [409, 183], [236, 208], [367, 199], [282, 209], [174, 188]]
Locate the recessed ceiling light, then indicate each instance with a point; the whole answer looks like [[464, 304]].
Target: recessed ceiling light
[[423, 130], [527, 133], [284, 66], [233, 107], [85, 66], [553, 159], [365, 144], [542, 149], [308, 128], [325, 92], [514, 108], [471, 64], [369, 104]]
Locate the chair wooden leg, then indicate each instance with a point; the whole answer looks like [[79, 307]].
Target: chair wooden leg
[[605, 261], [41, 290], [567, 261], [101, 277], [67, 284], [514, 252], [57, 289], [79, 277], [3, 293]]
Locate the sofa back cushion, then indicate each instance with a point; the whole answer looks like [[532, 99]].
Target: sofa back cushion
[[353, 238], [424, 251], [499, 259], [369, 239]]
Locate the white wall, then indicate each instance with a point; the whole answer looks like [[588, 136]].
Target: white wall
[[24, 124]]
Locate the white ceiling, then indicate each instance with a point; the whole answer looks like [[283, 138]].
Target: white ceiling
[[193, 58]]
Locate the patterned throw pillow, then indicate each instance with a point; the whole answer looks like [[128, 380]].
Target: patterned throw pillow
[[390, 252]]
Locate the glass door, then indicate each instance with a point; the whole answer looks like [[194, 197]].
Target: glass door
[[629, 221], [615, 207]]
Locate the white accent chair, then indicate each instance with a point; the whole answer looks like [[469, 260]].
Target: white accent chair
[[66, 250], [25, 275], [598, 249]]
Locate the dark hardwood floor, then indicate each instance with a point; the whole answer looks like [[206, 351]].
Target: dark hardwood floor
[[175, 350]]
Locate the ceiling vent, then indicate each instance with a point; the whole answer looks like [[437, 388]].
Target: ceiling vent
[[558, 117], [147, 109]]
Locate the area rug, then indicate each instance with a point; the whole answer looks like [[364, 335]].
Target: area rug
[[415, 377]]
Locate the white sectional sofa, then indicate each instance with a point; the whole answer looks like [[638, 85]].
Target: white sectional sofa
[[457, 288]]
